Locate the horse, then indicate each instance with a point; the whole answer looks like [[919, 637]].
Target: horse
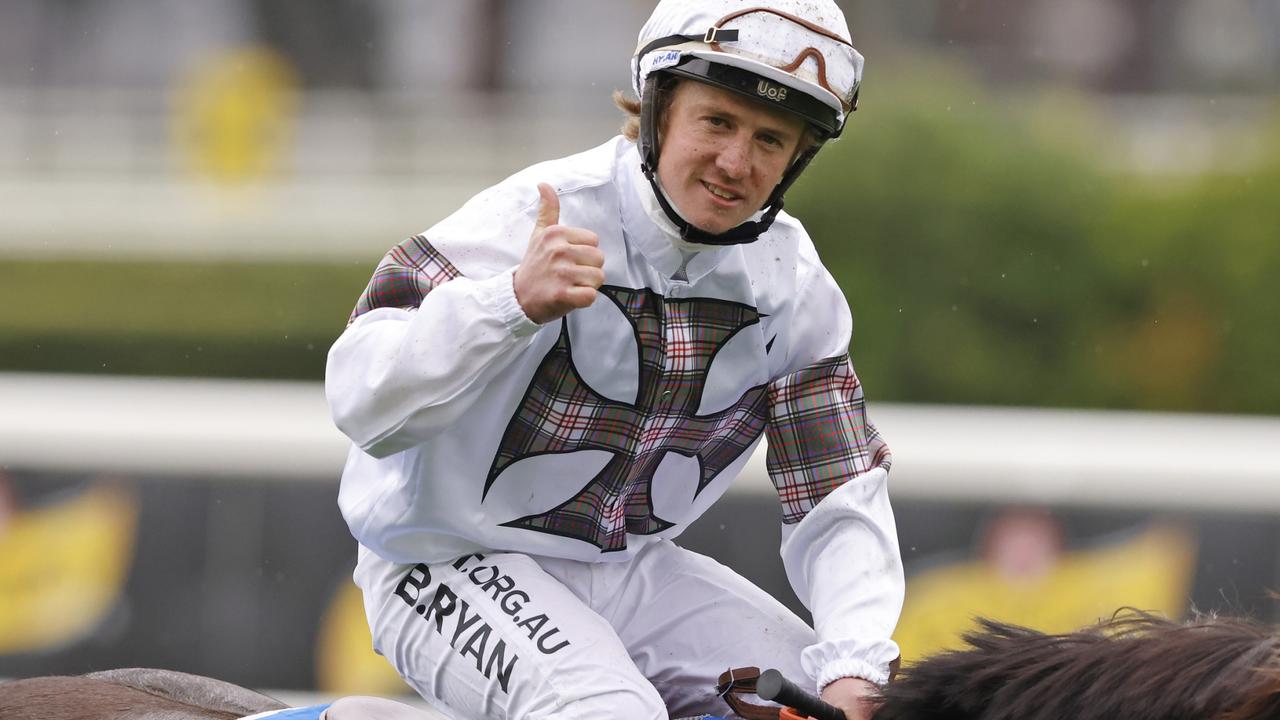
[[1134, 666]]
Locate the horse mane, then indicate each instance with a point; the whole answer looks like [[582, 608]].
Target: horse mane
[[137, 694], [1135, 666]]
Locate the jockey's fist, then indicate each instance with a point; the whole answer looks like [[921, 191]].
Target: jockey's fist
[[855, 696], [562, 268]]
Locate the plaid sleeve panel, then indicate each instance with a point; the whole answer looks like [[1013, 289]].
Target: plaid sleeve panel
[[819, 436], [404, 277]]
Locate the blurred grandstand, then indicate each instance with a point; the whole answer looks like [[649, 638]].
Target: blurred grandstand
[[343, 128]]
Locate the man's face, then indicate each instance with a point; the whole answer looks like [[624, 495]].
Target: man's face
[[722, 154]]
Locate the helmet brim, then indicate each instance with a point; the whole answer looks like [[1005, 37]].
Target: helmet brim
[[770, 72], [763, 83]]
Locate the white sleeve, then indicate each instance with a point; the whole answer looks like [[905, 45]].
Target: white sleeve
[[843, 561], [397, 376], [831, 469]]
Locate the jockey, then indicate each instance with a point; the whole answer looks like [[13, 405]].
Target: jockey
[[545, 388]]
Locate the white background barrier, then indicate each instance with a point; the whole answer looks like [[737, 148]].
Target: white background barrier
[[281, 430]]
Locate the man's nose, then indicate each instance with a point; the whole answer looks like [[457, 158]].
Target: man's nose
[[734, 158]]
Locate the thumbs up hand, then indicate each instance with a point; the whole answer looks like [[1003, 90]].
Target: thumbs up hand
[[562, 268]]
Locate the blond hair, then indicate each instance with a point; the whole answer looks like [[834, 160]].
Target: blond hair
[[630, 106]]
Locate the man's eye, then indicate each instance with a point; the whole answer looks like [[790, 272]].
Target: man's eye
[[771, 140], [717, 121]]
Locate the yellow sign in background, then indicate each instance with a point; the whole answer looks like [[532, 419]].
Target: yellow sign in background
[[1150, 571], [63, 567], [235, 115]]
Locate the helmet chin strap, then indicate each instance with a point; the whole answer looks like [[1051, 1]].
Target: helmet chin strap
[[746, 232]]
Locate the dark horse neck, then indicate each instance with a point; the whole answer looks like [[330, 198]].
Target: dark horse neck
[[1135, 667]]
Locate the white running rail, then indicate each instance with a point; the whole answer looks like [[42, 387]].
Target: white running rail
[[261, 430]]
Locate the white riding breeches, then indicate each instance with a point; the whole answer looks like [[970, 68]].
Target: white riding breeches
[[506, 635]]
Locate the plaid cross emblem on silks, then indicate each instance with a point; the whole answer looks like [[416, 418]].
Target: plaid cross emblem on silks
[[560, 413], [818, 433]]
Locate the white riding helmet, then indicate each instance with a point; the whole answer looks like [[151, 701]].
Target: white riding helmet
[[796, 55]]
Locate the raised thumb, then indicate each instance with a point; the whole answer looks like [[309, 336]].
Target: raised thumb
[[549, 206]]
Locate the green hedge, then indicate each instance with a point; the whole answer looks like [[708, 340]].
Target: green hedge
[[987, 260], [180, 319]]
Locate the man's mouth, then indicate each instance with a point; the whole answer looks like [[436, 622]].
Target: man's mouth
[[720, 192]]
